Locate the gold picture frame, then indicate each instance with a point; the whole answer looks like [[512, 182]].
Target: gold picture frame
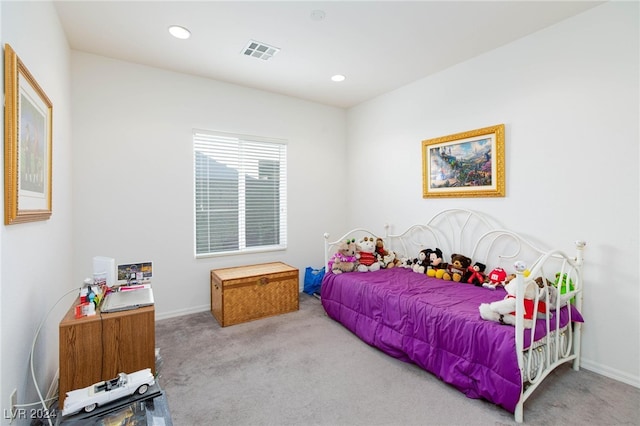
[[27, 144], [467, 164]]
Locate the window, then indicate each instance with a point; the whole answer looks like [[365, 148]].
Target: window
[[240, 193]]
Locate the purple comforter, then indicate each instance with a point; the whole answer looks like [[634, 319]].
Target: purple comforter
[[434, 324]]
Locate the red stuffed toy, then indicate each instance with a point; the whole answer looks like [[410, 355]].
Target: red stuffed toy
[[476, 274], [495, 278]]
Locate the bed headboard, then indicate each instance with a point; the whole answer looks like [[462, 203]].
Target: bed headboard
[[475, 235], [452, 231]]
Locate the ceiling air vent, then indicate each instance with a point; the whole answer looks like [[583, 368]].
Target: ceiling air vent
[[260, 50]]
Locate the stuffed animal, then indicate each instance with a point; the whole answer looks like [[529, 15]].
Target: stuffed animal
[[562, 285], [457, 269], [422, 262], [406, 262], [436, 267], [497, 277], [344, 259], [475, 274], [503, 311], [380, 250], [366, 256], [403, 262], [389, 260]]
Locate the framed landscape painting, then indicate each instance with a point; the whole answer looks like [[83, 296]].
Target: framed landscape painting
[[27, 144], [467, 164]]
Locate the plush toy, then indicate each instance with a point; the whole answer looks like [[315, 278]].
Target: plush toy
[[366, 256], [562, 285], [475, 274], [438, 272], [344, 259], [387, 258], [497, 277], [422, 262], [503, 311], [436, 267], [390, 260], [380, 250], [457, 269], [406, 262]]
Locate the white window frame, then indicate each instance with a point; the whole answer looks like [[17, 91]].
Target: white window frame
[[241, 163]]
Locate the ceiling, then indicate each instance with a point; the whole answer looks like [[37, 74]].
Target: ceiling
[[378, 45]]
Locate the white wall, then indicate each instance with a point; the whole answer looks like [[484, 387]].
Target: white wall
[[133, 171], [35, 264], [568, 96]]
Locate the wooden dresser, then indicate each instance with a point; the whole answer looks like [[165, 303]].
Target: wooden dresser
[[246, 293], [99, 347]]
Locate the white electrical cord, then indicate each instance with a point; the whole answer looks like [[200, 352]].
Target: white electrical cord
[[33, 345], [35, 403]]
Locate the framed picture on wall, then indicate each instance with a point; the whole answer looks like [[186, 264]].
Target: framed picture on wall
[[135, 272], [467, 164], [27, 147]]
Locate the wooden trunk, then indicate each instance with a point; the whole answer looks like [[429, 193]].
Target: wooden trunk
[[247, 293]]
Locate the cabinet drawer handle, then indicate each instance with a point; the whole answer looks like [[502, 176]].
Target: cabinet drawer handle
[[263, 281]]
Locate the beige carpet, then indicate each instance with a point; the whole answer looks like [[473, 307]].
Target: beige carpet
[[303, 368]]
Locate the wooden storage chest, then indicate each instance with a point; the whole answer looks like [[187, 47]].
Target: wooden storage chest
[[246, 293]]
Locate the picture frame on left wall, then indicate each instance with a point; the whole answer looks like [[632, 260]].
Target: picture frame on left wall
[[28, 117]]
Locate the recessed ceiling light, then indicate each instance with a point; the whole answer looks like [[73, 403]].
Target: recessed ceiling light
[[179, 32], [338, 78]]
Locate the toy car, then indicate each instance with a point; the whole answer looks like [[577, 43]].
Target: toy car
[[101, 393]]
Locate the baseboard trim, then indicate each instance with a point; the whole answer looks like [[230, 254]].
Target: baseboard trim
[[611, 373], [181, 312]]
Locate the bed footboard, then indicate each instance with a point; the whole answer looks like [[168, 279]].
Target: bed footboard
[[559, 345]]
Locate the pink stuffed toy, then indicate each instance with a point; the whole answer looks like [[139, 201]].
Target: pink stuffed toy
[[344, 260]]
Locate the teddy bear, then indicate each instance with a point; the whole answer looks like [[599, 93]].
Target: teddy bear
[[344, 259], [503, 311], [457, 269], [365, 254], [475, 274]]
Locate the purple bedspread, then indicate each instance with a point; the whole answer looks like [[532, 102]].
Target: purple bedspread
[[434, 324]]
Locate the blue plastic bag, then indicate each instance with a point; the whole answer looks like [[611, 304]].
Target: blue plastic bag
[[313, 280]]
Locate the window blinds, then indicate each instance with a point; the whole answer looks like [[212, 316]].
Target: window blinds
[[240, 193]]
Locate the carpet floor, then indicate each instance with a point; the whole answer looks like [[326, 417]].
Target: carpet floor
[[303, 368]]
